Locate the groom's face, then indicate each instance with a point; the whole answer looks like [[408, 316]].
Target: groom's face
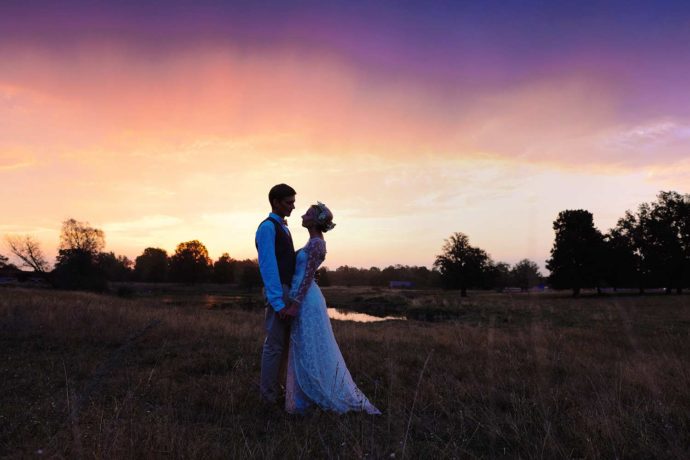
[[283, 207]]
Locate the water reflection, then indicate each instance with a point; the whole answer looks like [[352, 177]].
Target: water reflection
[[345, 315], [213, 301]]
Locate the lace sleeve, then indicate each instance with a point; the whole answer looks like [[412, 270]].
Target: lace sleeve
[[316, 253]]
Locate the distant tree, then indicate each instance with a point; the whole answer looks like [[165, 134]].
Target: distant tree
[[322, 277], [375, 277], [4, 264], [391, 273], [577, 250], [81, 236], [152, 265], [249, 274], [350, 276], [462, 266], [499, 276], [190, 263], [27, 249], [435, 278], [115, 268], [224, 269], [526, 274]]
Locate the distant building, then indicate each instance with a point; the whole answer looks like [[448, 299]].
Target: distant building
[[401, 284]]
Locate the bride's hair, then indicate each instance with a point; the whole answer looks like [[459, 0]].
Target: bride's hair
[[324, 217]]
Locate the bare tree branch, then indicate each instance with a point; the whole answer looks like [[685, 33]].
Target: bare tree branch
[[29, 251]]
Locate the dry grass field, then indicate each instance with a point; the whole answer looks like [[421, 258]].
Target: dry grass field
[[514, 376]]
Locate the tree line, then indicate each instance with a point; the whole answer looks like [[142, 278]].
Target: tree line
[[647, 248], [83, 264]]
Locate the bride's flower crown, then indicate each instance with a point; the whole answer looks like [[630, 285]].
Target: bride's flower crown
[[323, 217]]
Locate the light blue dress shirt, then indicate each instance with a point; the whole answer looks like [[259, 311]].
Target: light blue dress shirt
[[268, 265]]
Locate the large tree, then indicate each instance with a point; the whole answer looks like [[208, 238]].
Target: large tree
[[77, 269], [652, 245], [462, 266], [27, 249], [622, 263], [152, 265], [577, 251], [190, 263], [665, 226], [628, 257], [77, 264]]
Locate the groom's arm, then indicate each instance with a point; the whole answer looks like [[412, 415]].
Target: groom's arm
[[268, 265]]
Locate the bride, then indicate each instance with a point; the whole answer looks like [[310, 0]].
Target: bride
[[316, 372]]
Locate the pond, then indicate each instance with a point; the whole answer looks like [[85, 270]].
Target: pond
[[211, 301], [346, 315]]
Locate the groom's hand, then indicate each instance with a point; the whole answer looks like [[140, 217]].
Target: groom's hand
[[283, 314], [291, 309]]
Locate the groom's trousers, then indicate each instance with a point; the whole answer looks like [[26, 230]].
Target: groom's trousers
[[274, 352]]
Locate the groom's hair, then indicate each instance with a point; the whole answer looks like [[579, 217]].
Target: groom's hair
[[280, 191]]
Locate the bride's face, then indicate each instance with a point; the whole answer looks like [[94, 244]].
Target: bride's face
[[309, 218]]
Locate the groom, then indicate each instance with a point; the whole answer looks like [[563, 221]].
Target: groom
[[277, 265]]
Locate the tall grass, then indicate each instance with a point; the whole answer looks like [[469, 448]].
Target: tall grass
[[528, 376]]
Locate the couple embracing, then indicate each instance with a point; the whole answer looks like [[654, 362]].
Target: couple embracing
[[297, 321]]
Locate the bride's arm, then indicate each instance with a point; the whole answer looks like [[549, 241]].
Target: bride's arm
[[316, 253]]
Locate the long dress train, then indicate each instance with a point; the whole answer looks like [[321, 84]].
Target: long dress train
[[316, 372]]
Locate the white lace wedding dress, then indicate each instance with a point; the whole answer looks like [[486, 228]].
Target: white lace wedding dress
[[316, 372]]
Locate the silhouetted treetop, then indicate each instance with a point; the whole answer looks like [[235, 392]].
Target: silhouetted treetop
[[81, 236], [656, 239], [577, 250], [224, 269], [152, 265], [190, 263]]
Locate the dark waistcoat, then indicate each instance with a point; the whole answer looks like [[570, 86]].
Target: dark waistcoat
[[285, 252]]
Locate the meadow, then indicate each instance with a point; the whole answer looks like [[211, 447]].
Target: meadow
[[500, 376]]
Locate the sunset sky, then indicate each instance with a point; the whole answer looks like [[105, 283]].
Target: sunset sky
[[412, 120]]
